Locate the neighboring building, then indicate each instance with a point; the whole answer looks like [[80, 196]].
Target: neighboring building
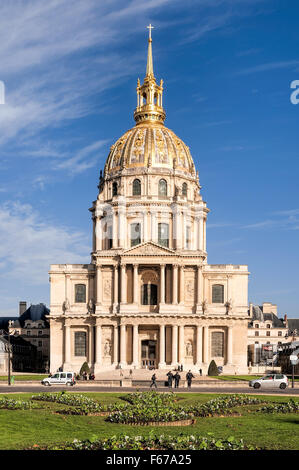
[[33, 327], [286, 350], [22, 356], [149, 298], [266, 333]]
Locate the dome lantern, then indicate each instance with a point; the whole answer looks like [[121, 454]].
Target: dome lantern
[[149, 94]]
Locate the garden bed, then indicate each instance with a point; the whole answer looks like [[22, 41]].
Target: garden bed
[[182, 422]]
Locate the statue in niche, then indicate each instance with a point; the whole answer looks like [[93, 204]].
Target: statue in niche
[[189, 349], [66, 305], [107, 349], [91, 306]]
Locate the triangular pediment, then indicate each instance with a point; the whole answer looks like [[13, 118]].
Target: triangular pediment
[[150, 249]]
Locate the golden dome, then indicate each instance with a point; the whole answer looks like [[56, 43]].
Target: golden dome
[[150, 143], [149, 146]]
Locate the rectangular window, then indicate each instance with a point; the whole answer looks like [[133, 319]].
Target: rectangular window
[[135, 234], [217, 344], [163, 234], [80, 293], [218, 294], [80, 343]]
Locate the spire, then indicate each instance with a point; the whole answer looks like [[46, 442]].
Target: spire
[[149, 65], [149, 94]]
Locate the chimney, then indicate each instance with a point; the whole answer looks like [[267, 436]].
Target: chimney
[[22, 307], [285, 320]]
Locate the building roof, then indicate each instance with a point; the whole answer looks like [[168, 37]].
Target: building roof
[[293, 323], [258, 315], [34, 313]]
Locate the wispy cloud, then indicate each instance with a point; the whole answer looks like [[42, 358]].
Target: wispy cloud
[[29, 244], [269, 66]]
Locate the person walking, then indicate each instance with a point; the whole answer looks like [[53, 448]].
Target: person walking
[[154, 381], [177, 379], [170, 379], [200, 372], [189, 377]]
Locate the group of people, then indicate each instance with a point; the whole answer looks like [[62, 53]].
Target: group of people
[[173, 378]]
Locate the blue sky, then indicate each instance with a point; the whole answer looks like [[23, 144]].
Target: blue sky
[[70, 69]]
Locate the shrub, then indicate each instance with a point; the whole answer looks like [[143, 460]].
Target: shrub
[[154, 442], [213, 369], [84, 368]]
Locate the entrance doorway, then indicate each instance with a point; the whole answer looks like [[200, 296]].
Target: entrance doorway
[[148, 354]]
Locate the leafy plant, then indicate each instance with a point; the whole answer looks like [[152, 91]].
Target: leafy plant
[[213, 369]]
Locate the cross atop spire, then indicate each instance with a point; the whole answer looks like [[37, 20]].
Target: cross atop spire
[[150, 27], [149, 65]]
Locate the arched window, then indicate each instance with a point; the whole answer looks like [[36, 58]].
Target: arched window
[[136, 188], [149, 294], [217, 344], [114, 189], [135, 234], [163, 234], [162, 188], [184, 189], [218, 294], [80, 293]]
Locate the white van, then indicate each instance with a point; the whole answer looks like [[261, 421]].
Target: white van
[[60, 378]]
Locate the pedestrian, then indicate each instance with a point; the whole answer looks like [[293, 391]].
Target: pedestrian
[[154, 378], [189, 377], [200, 372], [170, 379], [177, 379]]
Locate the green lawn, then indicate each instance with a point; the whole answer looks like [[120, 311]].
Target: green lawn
[[23, 428], [35, 377]]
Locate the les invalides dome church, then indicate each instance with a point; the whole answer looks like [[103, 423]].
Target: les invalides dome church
[[149, 298]]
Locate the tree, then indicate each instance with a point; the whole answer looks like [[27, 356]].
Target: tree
[[213, 369], [84, 368]]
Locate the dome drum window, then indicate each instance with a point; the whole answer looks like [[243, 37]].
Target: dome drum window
[[162, 191], [136, 187], [135, 234], [163, 235]]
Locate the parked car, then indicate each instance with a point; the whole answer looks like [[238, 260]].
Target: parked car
[[270, 381], [60, 378]]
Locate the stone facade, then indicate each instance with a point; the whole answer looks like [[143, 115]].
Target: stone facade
[[149, 298]]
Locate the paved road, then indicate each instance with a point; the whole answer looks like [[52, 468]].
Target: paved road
[[95, 388]]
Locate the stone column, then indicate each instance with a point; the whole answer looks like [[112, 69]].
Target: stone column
[[98, 234], [114, 229], [175, 284], [98, 344], [99, 285], [230, 345], [206, 345], [181, 344], [198, 346], [67, 344], [162, 346], [123, 345], [135, 346], [201, 233], [123, 284], [182, 284], [162, 284], [135, 286], [115, 285], [174, 355], [115, 345], [91, 345], [199, 285]]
